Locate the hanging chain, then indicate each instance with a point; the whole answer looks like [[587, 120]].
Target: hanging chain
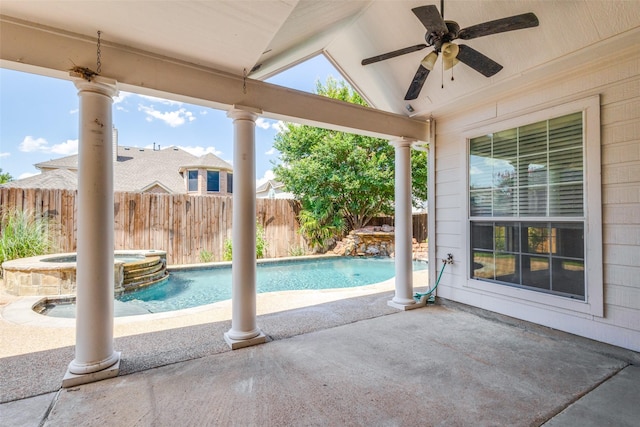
[[98, 53], [244, 81]]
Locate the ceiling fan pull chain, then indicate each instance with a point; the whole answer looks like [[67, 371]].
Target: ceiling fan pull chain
[[98, 55], [244, 81]]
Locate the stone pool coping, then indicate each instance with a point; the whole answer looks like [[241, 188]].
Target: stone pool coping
[[36, 276], [36, 263]]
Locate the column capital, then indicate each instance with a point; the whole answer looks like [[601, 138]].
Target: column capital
[[97, 84], [402, 142], [241, 112]]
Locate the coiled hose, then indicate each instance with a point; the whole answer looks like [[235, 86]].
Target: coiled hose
[[431, 298]]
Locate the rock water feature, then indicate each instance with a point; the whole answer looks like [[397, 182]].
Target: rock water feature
[[375, 241]]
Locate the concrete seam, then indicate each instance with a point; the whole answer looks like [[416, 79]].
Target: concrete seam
[[579, 396], [45, 417]]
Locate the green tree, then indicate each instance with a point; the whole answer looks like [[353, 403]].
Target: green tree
[[342, 180], [5, 177]]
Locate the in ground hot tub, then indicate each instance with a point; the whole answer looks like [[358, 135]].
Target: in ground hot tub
[[55, 274]]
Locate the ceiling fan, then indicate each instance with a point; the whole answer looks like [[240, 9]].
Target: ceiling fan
[[441, 33]]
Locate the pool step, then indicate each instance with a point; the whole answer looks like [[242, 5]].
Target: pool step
[[143, 273], [143, 263], [140, 270]]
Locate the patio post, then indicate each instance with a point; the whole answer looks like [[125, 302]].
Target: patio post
[[403, 298], [95, 358], [244, 332]]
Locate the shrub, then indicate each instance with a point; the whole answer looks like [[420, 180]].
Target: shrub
[[297, 251], [227, 253], [23, 235], [205, 256], [261, 245], [261, 242]]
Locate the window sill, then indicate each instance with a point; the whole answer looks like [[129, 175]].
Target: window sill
[[531, 297]]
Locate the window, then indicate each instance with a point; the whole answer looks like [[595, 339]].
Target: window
[[229, 182], [213, 181], [193, 180], [527, 206]]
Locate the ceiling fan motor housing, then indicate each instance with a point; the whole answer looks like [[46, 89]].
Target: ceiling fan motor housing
[[438, 38], [440, 35]]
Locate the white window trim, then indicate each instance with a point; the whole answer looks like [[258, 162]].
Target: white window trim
[[206, 181], [189, 191], [593, 304]]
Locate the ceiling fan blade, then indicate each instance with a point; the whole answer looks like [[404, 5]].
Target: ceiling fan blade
[[393, 54], [517, 22], [479, 62], [430, 18], [417, 83]]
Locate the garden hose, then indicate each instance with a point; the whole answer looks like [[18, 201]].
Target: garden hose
[[418, 296]]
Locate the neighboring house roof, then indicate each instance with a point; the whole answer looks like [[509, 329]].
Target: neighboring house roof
[[269, 184], [273, 190], [136, 169], [54, 179], [68, 162], [210, 161]]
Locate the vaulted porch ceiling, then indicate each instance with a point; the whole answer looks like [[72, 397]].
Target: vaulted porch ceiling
[[269, 36]]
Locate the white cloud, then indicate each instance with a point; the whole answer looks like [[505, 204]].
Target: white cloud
[[270, 152], [266, 177], [280, 126], [6, 154], [172, 118], [121, 97], [263, 123], [74, 111], [161, 100], [28, 174], [266, 124], [200, 151], [30, 144], [70, 146]]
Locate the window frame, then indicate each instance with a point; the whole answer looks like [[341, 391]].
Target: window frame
[[207, 181], [189, 171], [229, 183], [593, 303]]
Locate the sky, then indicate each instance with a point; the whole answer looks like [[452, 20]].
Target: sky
[[39, 120]]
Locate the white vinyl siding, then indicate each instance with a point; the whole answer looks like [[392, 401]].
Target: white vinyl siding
[[610, 92]]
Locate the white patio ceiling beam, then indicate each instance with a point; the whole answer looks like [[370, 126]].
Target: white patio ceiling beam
[[26, 45]]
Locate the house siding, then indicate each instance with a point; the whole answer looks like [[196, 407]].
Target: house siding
[[617, 83]]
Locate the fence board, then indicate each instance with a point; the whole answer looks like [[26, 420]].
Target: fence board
[[180, 224]]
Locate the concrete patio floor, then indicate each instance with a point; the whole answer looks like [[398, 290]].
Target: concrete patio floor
[[352, 361]]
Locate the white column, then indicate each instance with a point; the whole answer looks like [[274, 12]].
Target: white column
[[244, 331], [95, 358], [403, 298]]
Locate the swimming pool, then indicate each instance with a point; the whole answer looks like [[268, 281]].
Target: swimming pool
[[201, 286]]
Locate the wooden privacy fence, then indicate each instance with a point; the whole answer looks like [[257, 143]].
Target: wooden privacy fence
[[182, 225]]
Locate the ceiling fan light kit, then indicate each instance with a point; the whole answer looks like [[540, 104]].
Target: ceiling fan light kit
[[429, 61], [440, 35]]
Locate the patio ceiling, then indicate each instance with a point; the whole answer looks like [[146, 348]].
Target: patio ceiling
[[270, 36]]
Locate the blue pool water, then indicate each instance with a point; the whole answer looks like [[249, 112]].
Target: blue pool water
[[192, 288]]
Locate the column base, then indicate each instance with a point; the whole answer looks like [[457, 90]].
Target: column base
[[72, 380], [409, 305], [236, 344]]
